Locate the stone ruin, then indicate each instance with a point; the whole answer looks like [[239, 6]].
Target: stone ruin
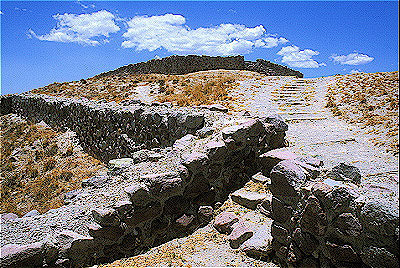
[[169, 167], [193, 63]]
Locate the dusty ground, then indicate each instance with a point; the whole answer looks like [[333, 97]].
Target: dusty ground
[[39, 165]]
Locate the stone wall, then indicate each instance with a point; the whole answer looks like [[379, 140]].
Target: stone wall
[[328, 220], [125, 211], [108, 130], [193, 63]]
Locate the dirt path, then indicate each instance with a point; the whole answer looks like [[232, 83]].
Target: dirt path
[[313, 130]]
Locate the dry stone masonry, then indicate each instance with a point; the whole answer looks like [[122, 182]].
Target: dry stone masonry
[[154, 194], [193, 63]]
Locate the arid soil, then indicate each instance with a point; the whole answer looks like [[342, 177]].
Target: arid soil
[[39, 165]]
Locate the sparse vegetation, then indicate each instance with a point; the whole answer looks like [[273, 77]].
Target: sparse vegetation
[[38, 166], [371, 100]]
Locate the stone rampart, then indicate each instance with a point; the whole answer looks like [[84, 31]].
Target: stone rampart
[[193, 63]]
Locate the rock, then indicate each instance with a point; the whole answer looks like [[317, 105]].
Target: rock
[[80, 249], [224, 221], [205, 132], [341, 253], [380, 217], [96, 181], [348, 225], [194, 121], [184, 142], [240, 233], [205, 213], [8, 216], [195, 161], [265, 207], [105, 217], [313, 218], [185, 220], [286, 179], [379, 257], [277, 121], [344, 172], [305, 241], [116, 164], [163, 185], [241, 132], [280, 233], [271, 158], [13, 255], [247, 199], [218, 107], [112, 233], [259, 177], [216, 151], [139, 194], [143, 214], [260, 244], [123, 208], [311, 171], [280, 211], [31, 213]]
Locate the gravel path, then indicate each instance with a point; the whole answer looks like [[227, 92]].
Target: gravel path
[[313, 130]]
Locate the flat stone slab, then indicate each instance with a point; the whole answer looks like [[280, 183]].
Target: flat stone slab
[[248, 199], [260, 244], [259, 177], [241, 232], [224, 221]]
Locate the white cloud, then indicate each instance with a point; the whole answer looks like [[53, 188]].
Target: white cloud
[[72, 28], [171, 33], [1, 12], [352, 59], [294, 57]]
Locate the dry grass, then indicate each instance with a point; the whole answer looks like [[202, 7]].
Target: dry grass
[[200, 88], [37, 168], [371, 100]]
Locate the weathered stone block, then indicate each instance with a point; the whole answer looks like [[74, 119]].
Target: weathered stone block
[[105, 217], [224, 221], [240, 233], [248, 199]]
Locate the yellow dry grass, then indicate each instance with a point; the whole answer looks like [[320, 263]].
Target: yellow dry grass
[[372, 100], [35, 172]]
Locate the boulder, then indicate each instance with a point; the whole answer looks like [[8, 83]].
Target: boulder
[[344, 172], [380, 217], [248, 199], [216, 151], [240, 233], [280, 233], [271, 158], [242, 131], [163, 185], [143, 214], [195, 161], [193, 121], [224, 222], [341, 253], [313, 218], [205, 213], [280, 211], [139, 194], [260, 244], [13, 255], [348, 225], [105, 217], [185, 220], [286, 179], [305, 241], [184, 142], [277, 121], [112, 233]]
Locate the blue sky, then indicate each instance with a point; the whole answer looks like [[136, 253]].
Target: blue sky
[[45, 42]]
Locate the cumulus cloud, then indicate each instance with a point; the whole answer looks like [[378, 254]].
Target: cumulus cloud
[[294, 57], [170, 32], [82, 29], [352, 59]]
